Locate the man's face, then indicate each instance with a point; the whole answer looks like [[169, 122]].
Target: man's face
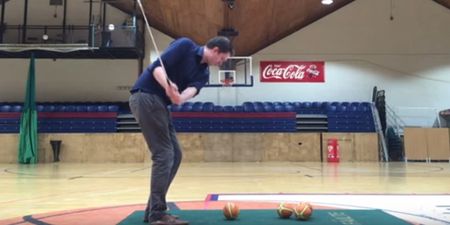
[[218, 58]]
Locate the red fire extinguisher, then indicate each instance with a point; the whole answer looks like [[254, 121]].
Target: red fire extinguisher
[[333, 150]]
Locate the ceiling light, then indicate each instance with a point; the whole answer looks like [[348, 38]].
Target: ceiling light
[[327, 2], [111, 27]]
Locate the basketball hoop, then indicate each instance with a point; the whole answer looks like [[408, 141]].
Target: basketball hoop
[[227, 82], [237, 73]]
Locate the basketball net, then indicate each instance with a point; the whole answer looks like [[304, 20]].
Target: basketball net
[[227, 82]]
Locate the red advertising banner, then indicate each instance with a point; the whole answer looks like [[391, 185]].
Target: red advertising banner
[[291, 71]]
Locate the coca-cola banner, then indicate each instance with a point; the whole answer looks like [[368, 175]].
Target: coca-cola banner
[[291, 71]]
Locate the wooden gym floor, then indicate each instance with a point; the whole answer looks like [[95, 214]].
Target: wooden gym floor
[[54, 187]]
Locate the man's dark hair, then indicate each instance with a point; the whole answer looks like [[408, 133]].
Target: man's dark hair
[[221, 42]]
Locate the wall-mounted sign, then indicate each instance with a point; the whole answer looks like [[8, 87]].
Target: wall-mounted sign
[[291, 71]]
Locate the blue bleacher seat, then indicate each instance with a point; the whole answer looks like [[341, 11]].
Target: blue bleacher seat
[[331, 109], [61, 108], [71, 108], [341, 109], [218, 108], [81, 108], [92, 108], [228, 108], [187, 103], [208, 107], [316, 105], [335, 103], [279, 108], [268, 104], [49, 108], [363, 109], [17, 108], [197, 107], [5, 108], [248, 108], [259, 108], [305, 107], [277, 103], [258, 104], [186, 107], [113, 108], [289, 108], [286, 103], [268, 108], [102, 108], [175, 108], [40, 108], [238, 108]]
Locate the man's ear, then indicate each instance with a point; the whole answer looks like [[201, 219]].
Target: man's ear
[[216, 50]]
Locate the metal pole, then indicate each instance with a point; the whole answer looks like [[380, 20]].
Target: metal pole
[[25, 14], [106, 35], [64, 21], [134, 24], [91, 27], [2, 23], [104, 16]]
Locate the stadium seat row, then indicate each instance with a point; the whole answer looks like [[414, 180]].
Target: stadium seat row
[[62, 108], [236, 124], [63, 118], [298, 107]]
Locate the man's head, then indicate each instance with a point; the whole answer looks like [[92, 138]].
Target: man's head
[[217, 51]]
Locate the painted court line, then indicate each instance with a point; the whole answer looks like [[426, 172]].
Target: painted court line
[[422, 209]]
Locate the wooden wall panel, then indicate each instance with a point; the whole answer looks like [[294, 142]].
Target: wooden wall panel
[[415, 143], [192, 147], [366, 147], [99, 148], [275, 147], [219, 147], [304, 147], [438, 143], [9, 148], [196, 147], [115, 148], [72, 147], [247, 147]]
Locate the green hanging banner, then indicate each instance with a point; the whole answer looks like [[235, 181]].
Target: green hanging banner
[[28, 140]]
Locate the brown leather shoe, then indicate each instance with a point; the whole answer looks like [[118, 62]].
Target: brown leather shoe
[[173, 216], [169, 220]]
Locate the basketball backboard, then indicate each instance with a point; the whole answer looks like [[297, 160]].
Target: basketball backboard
[[235, 72]]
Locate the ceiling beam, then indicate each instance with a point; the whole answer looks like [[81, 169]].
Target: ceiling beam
[[445, 3]]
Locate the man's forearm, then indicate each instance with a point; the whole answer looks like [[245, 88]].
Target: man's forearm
[[161, 77], [187, 94]]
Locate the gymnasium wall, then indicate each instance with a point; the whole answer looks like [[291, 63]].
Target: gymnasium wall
[[68, 80], [408, 57], [200, 147]]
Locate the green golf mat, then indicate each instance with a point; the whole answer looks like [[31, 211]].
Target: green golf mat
[[270, 217]]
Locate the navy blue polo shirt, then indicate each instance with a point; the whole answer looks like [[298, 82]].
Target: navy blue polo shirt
[[182, 61]]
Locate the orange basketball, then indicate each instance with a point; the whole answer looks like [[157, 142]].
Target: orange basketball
[[230, 211], [303, 211], [285, 210]]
